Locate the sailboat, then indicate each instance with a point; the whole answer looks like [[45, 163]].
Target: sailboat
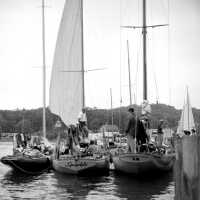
[[67, 92], [143, 163], [27, 159], [186, 124]]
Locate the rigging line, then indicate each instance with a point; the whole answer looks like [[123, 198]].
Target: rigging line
[[137, 66], [137, 57], [138, 11], [131, 87], [135, 70], [90, 84], [164, 6], [88, 70], [151, 39], [150, 15], [129, 75], [153, 68], [97, 69], [149, 26], [156, 85], [89, 88]]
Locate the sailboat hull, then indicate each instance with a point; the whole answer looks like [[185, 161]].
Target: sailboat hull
[[139, 164], [80, 166], [26, 164]]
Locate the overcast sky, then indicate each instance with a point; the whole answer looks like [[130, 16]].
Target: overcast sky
[[173, 52]]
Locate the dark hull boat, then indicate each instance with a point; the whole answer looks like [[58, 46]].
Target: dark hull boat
[[142, 164], [29, 159], [27, 164]]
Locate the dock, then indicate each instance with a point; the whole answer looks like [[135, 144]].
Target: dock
[[187, 168]]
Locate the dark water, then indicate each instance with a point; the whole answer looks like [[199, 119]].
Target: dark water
[[57, 186]]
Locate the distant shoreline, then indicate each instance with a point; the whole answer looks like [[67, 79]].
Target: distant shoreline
[[6, 139]]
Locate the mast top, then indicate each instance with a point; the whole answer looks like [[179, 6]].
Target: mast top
[[144, 32]]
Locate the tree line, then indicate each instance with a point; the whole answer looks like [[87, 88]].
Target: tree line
[[13, 121]]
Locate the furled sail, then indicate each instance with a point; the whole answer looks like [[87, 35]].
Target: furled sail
[[66, 88], [186, 122]]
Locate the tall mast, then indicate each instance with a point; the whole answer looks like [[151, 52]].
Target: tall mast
[[129, 74], [144, 32], [188, 112], [82, 70], [44, 70]]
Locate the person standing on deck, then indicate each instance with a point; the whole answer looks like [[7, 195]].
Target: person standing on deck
[[82, 120], [131, 131], [146, 124], [160, 133]]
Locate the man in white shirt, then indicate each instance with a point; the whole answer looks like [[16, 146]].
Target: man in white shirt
[[82, 119]]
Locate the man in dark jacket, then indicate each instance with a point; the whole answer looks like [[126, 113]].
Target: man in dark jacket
[[160, 133], [142, 137], [131, 131]]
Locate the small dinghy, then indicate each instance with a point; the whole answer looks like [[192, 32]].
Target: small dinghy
[[33, 158], [27, 164]]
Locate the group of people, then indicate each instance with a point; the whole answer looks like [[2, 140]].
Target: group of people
[[192, 132], [137, 131], [82, 123], [23, 142], [76, 137]]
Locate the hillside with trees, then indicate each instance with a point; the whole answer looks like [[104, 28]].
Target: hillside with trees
[[31, 120]]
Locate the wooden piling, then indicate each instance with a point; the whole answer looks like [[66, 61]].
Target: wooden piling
[[187, 168]]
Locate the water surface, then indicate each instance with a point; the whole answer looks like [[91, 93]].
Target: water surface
[[51, 185]]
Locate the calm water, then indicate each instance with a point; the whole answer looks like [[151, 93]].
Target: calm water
[[56, 186]]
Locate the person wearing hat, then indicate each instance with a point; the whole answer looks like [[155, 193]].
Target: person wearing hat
[[160, 132], [131, 131]]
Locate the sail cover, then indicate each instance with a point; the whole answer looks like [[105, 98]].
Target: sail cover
[[186, 122], [66, 79]]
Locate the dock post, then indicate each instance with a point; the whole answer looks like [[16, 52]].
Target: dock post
[[187, 168]]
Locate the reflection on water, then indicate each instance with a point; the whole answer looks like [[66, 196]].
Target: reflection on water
[[151, 188], [14, 185]]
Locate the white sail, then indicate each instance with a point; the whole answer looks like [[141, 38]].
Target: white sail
[[66, 89], [186, 122]]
